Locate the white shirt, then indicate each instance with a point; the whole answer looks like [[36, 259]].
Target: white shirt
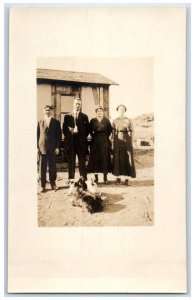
[[47, 119], [76, 114]]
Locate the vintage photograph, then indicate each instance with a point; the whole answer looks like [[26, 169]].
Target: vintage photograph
[[95, 142]]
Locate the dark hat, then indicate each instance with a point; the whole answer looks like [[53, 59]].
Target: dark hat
[[99, 107], [121, 105], [48, 106]]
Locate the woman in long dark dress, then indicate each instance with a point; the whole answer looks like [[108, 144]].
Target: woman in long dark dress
[[100, 150], [123, 162]]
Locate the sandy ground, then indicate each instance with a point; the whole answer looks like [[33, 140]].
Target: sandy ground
[[124, 205]]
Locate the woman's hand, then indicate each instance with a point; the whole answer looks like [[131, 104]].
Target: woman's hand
[[71, 129], [57, 151]]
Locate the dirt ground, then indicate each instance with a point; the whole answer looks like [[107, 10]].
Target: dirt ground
[[131, 205]]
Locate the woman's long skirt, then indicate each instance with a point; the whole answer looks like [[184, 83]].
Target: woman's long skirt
[[123, 162]]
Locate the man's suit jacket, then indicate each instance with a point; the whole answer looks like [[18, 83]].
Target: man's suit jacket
[[48, 138], [82, 123]]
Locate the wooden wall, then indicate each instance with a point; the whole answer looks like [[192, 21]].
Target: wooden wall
[[91, 95]]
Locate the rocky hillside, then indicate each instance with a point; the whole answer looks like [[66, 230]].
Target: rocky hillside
[[144, 126], [145, 120]]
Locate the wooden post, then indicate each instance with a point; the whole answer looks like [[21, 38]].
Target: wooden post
[[53, 98], [101, 96], [58, 107], [106, 101]]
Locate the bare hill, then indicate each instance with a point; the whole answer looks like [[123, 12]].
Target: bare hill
[[144, 126]]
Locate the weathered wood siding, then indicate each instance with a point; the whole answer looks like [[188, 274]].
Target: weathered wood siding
[[55, 93], [43, 98]]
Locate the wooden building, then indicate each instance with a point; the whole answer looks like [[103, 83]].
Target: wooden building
[[58, 88]]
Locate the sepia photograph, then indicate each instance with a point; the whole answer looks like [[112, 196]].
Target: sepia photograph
[[95, 142], [97, 145]]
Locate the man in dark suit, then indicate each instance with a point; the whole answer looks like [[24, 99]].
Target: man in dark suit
[[48, 143], [76, 130]]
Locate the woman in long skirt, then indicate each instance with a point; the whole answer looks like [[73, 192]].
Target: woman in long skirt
[[123, 162], [100, 149]]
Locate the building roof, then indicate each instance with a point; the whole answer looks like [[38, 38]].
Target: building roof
[[74, 76]]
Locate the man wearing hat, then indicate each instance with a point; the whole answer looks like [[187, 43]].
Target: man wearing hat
[[48, 143], [76, 130]]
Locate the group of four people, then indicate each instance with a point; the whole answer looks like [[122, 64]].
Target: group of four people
[[105, 138]]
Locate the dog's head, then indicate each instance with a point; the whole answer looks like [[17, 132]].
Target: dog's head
[[81, 184]]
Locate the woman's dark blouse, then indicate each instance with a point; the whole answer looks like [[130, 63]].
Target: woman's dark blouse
[[100, 149]]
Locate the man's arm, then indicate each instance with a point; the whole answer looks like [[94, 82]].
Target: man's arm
[[59, 134], [66, 126], [38, 135], [87, 127], [58, 137]]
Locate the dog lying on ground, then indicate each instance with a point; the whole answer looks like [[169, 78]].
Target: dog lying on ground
[[86, 196], [88, 185]]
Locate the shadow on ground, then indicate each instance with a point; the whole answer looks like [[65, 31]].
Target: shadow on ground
[[110, 203], [141, 183], [133, 183]]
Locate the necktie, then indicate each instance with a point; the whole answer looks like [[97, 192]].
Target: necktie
[[76, 117]]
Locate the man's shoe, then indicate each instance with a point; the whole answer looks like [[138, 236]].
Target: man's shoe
[[105, 179], [126, 182], [42, 190], [96, 178], [118, 181], [54, 187]]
